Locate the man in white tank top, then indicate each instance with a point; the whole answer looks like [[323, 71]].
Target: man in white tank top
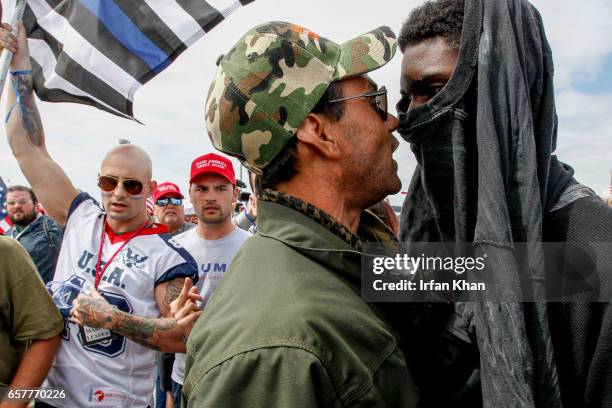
[[136, 271]]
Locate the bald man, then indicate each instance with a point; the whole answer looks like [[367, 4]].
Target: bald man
[[130, 272]]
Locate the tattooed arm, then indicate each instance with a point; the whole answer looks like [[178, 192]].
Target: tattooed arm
[[165, 334], [166, 293], [25, 132]]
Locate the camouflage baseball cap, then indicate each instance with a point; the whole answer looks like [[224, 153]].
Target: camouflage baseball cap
[[273, 77]]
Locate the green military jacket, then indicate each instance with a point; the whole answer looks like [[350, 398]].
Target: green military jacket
[[287, 326]]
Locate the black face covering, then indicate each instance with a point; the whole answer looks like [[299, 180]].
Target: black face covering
[[486, 175], [445, 151]]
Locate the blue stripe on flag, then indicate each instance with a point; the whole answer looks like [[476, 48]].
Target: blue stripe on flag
[[126, 32]]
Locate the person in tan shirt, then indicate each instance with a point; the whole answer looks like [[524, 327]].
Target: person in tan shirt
[[30, 323]]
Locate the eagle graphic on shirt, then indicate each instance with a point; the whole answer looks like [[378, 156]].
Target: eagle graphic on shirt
[[133, 260]]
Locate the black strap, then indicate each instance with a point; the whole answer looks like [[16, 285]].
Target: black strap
[[49, 240]]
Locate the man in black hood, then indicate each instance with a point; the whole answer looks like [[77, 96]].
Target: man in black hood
[[478, 109]]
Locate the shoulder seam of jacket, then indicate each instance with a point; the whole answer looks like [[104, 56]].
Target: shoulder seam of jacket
[[282, 342]]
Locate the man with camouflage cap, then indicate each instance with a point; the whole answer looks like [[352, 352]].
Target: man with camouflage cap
[[287, 326]]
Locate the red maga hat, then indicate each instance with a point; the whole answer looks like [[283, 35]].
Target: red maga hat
[[165, 189], [213, 163]]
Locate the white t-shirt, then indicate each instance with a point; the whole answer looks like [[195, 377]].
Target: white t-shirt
[[213, 258], [116, 372]]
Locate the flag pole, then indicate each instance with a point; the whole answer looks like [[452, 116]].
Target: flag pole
[[6, 56]]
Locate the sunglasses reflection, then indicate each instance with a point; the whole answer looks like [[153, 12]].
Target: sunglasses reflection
[[109, 184], [162, 202]]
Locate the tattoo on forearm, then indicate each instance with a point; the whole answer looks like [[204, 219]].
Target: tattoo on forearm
[[146, 332], [30, 118], [99, 310], [173, 290]]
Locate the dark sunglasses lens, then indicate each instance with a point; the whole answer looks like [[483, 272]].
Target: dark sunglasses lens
[[107, 183], [132, 186], [162, 202], [383, 106], [380, 104]]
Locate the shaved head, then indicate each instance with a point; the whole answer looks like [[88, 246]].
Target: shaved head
[[126, 211], [129, 156]]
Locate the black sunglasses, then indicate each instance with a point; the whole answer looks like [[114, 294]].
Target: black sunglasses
[[379, 100], [175, 201], [109, 183]]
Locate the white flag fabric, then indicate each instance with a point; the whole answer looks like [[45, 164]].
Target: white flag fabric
[[5, 222], [99, 52], [150, 205]]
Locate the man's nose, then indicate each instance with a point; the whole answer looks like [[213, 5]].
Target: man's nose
[[392, 122], [119, 191]]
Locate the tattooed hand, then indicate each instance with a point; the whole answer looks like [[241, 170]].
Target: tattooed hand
[[165, 334], [91, 309]]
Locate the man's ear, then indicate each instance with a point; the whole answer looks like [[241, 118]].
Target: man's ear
[[235, 196], [152, 187], [191, 193], [317, 132]]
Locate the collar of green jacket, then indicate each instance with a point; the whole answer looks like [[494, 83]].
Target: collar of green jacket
[[312, 231]]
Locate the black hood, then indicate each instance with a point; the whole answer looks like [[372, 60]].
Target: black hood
[[486, 174]]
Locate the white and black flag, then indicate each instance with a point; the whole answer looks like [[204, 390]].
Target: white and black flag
[[99, 52], [5, 222]]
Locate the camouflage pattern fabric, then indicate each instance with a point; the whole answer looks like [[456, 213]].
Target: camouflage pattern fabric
[[273, 77], [371, 228]]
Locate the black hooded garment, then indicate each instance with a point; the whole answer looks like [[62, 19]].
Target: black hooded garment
[[486, 174]]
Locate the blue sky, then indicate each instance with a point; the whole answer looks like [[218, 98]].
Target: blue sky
[[171, 105], [601, 84]]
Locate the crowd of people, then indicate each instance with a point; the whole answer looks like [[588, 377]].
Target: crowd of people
[[207, 306]]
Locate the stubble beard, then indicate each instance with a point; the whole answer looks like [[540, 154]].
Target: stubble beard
[[376, 188], [25, 219], [219, 219]]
